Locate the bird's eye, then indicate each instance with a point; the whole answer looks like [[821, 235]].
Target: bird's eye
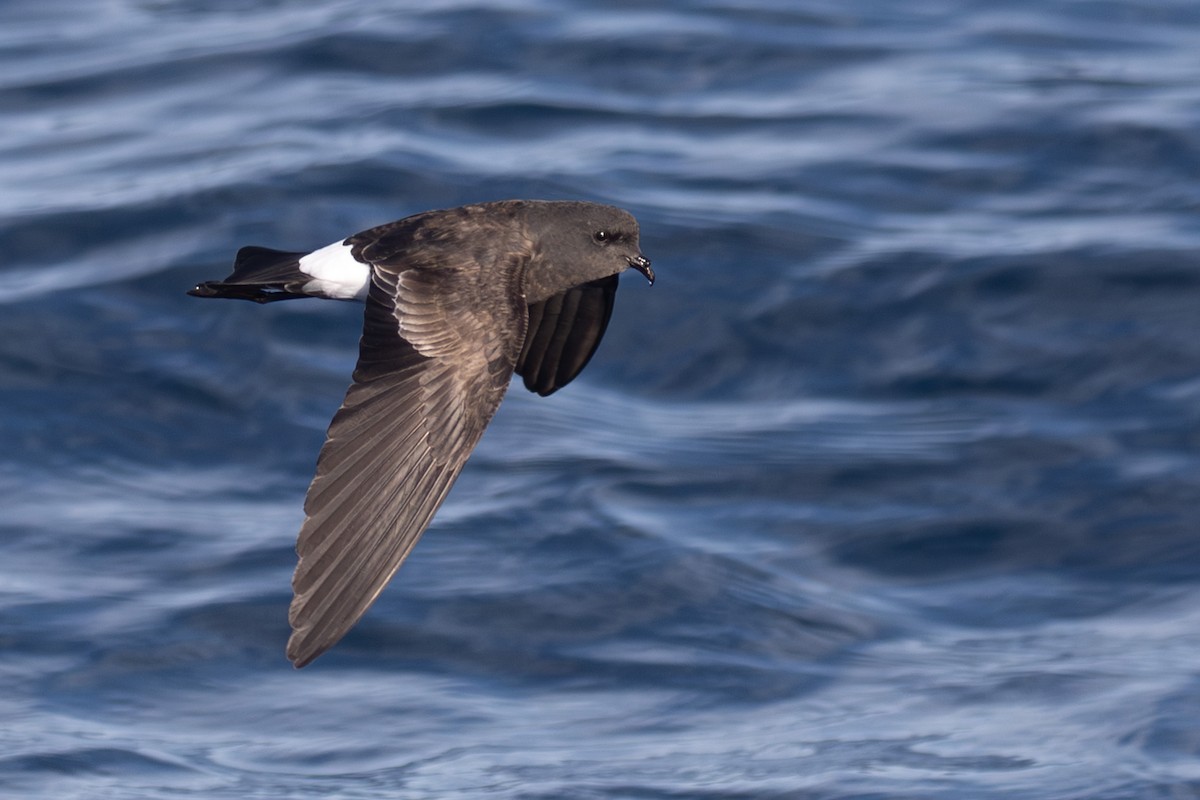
[[602, 236]]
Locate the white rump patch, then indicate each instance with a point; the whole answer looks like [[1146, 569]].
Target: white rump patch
[[336, 273]]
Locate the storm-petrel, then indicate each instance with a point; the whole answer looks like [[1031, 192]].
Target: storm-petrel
[[456, 302]]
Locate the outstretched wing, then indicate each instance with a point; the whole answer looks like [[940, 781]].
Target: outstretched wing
[[564, 332], [437, 352]]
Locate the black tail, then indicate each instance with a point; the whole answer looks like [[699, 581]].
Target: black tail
[[259, 274]]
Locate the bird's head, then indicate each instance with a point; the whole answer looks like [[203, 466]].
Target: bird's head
[[579, 242]]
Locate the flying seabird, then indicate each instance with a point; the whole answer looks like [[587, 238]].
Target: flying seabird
[[456, 301]]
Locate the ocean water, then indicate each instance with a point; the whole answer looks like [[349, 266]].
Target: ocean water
[[888, 488]]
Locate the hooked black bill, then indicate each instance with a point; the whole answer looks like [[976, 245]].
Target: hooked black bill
[[642, 265]]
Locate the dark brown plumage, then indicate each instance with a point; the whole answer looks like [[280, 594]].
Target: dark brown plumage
[[456, 302]]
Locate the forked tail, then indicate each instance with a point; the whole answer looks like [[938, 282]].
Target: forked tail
[[259, 274]]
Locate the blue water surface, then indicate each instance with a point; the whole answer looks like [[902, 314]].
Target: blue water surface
[[887, 489]]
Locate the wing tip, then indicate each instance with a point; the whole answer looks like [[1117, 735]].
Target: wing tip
[[305, 644], [301, 651], [540, 384]]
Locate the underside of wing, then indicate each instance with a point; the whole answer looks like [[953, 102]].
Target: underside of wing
[[564, 331], [393, 450]]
